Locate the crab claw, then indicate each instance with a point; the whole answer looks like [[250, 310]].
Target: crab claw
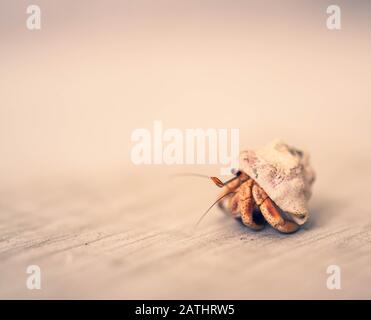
[[217, 181]]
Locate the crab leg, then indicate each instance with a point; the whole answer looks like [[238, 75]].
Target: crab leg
[[246, 205], [229, 203], [234, 205], [270, 212]]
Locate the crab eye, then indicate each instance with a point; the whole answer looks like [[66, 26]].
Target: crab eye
[[236, 172]]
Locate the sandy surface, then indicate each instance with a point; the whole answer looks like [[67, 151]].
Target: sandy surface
[[100, 239]]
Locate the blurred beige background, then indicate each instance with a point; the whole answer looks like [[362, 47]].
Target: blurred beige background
[[72, 93]]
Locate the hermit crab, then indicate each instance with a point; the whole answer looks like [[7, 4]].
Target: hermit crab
[[272, 185]]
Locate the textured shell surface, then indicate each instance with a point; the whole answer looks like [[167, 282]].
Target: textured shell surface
[[285, 173]]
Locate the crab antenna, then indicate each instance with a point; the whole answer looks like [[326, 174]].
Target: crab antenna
[[206, 212], [216, 180], [189, 174], [221, 184]]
